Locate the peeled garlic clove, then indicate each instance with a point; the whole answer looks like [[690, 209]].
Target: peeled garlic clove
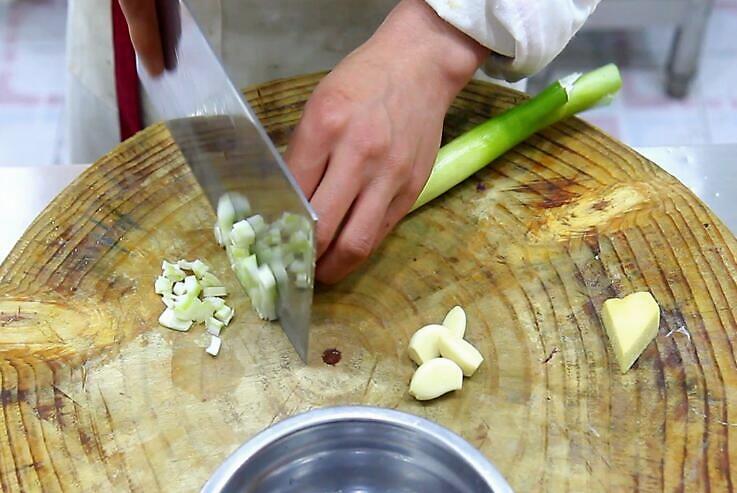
[[434, 378], [461, 352], [423, 346], [455, 321]]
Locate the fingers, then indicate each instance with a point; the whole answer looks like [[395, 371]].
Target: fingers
[[143, 26], [403, 202], [309, 148], [335, 195], [357, 238]]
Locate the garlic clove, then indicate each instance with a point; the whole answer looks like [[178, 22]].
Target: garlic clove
[[434, 378], [455, 321], [461, 352], [423, 346]]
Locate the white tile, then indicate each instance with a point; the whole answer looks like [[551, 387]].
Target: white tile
[[39, 70], [666, 125], [649, 48], [60, 153], [4, 9], [722, 123], [39, 21], [27, 135], [608, 120], [32, 80], [645, 88], [720, 34], [717, 79]]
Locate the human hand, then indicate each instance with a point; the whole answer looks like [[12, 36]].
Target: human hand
[[143, 25], [371, 130]]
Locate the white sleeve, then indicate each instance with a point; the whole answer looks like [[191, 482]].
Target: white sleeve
[[523, 35]]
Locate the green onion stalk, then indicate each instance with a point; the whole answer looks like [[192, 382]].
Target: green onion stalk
[[470, 152]]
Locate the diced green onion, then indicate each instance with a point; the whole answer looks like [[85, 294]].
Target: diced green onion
[[238, 253], [224, 314], [226, 218], [215, 302], [267, 289], [193, 309], [246, 270], [218, 235], [242, 235], [209, 279], [163, 285], [292, 223], [214, 291], [214, 348], [267, 254], [183, 305], [260, 249], [169, 320], [280, 272], [262, 253], [298, 267], [302, 280], [172, 271], [241, 206], [273, 236], [192, 286], [214, 326], [168, 300], [199, 268], [257, 223]]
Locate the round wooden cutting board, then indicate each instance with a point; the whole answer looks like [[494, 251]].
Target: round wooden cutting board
[[97, 397]]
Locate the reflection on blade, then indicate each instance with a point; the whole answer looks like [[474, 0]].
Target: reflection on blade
[[230, 153]]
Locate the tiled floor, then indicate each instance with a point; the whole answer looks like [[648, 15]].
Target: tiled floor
[[32, 74], [642, 114]]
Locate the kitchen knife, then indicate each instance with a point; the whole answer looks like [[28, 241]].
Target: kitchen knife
[[226, 146]]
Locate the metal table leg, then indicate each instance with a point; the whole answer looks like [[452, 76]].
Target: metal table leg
[[686, 48]]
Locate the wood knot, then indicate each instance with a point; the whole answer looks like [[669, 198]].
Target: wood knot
[[51, 330]]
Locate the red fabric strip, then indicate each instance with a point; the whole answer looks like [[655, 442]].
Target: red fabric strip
[[126, 78]]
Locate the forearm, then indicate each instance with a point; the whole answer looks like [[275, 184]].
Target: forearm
[[414, 33]]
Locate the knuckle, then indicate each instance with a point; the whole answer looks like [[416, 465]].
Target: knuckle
[[328, 115], [372, 145], [400, 168], [356, 248]]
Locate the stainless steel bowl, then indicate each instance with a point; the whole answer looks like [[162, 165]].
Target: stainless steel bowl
[[356, 449]]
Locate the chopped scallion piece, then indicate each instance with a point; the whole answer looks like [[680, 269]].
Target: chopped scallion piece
[[214, 348], [169, 320], [214, 291]]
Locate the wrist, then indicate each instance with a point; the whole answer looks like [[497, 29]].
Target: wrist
[[415, 36]]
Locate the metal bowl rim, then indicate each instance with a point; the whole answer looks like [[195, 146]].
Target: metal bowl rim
[[320, 416]]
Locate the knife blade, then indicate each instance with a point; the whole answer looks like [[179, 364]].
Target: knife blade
[[226, 146]]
